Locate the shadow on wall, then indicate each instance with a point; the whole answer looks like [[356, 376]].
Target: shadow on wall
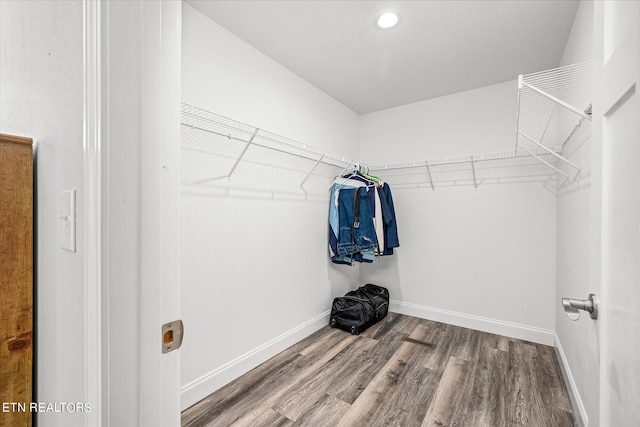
[[255, 194], [383, 272], [342, 278]]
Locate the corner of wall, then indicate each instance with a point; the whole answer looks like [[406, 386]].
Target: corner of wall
[[194, 391], [580, 413], [484, 324]]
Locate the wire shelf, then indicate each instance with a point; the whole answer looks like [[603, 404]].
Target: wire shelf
[[552, 104], [498, 167], [215, 147], [198, 118]]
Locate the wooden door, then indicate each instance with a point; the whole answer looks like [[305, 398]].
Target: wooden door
[[16, 280], [620, 299]]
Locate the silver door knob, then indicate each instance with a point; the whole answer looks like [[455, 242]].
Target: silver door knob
[[572, 307]]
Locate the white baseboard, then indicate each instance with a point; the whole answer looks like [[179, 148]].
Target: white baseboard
[[499, 327], [580, 413], [202, 387]]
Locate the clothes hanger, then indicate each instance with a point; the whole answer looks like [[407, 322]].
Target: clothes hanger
[[364, 171]]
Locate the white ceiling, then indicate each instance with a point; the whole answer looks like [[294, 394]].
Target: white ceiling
[[440, 47]]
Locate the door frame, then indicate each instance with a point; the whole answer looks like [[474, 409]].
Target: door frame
[[131, 123], [93, 204]]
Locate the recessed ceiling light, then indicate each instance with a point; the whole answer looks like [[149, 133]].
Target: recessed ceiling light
[[388, 20]]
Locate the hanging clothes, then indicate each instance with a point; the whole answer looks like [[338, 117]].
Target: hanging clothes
[[334, 221], [389, 220], [362, 221], [356, 234]]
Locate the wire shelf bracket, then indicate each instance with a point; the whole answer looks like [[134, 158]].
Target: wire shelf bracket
[[473, 170], [312, 169], [426, 164], [550, 151], [242, 153], [545, 162]]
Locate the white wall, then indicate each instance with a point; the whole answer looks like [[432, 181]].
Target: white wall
[[578, 241], [480, 258], [41, 96], [254, 271]]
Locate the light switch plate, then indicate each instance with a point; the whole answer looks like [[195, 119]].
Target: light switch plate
[[67, 218]]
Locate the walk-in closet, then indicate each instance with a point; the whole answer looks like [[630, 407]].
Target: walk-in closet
[[492, 179], [195, 164]]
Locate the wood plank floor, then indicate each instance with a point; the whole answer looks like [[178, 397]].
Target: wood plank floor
[[404, 371]]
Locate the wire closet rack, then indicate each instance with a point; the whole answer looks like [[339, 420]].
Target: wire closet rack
[[547, 117], [232, 142], [499, 167], [552, 105]]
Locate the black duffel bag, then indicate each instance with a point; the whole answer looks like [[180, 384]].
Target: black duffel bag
[[359, 309]]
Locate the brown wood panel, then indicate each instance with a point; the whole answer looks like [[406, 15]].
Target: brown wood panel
[[407, 403], [451, 394], [299, 399], [402, 371], [268, 418], [327, 410], [16, 279], [477, 411], [391, 331], [521, 383], [383, 384]]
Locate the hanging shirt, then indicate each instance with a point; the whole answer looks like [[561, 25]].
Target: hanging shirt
[[390, 224], [378, 222]]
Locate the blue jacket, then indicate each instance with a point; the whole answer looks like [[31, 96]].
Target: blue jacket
[[389, 215]]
